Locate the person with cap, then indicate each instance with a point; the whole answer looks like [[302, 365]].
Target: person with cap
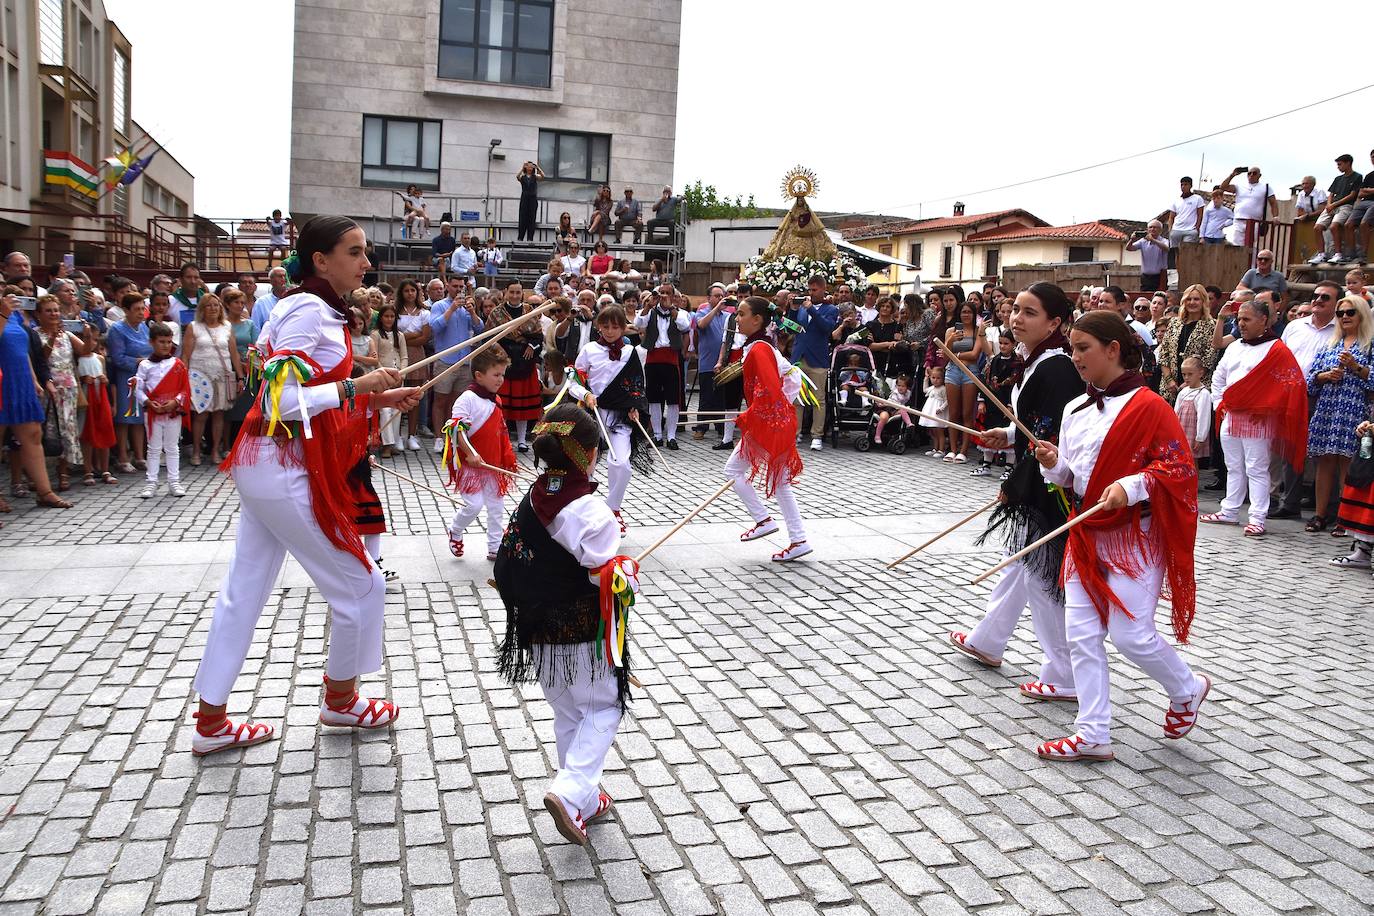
[[441, 248]]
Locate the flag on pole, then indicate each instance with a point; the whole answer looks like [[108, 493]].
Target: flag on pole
[[64, 169]]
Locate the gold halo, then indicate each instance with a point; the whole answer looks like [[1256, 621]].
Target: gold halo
[[799, 182]]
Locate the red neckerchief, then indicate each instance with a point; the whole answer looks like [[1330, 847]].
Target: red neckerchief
[[615, 349], [1056, 339], [760, 334], [322, 288], [482, 393], [1263, 338], [1125, 383], [556, 489]]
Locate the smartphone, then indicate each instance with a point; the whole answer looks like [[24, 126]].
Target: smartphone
[[798, 300], [27, 303], [69, 260], [75, 325]]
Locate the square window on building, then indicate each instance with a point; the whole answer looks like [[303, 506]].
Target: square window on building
[[885, 250], [571, 156], [497, 41], [400, 151], [1081, 253], [914, 255]]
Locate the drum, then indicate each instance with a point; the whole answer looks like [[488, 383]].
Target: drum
[[730, 373]]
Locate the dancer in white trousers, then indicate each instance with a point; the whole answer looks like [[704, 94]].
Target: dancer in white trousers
[[290, 465], [1261, 396], [561, 579], [162, 390], [477, 442], [614, 370], [768, 431], [1121, 444], [1029, 509]]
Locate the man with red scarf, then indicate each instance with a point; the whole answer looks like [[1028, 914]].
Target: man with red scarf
[[1262, 396]]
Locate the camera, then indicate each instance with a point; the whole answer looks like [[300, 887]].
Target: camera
[[798, 300]]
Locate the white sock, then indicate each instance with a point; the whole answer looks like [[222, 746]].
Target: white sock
[[729, 435], [656, 419], [520, 426], [673, 411]]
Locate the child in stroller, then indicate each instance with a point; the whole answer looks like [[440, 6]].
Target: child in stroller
[[902, 395], [854, 378], [852, 374]]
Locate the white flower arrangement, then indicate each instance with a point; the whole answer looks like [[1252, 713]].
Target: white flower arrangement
[[792, 273]]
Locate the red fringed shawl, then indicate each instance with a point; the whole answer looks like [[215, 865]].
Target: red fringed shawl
[[768, 428], [1145, 438], [1271, 402], [492, 444]]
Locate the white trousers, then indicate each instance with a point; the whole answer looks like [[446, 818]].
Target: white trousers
[[586, 715], [738, 469], [1247, 465], [389, 420], [275, 518], [1137, 639], [1017, 588], [489, 497], [164, 442], [656, 418], [617, 458]]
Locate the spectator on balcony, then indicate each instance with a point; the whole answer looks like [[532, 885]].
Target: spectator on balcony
[[491, 258], [666, 213], [1264, 276], [416, 215], [1336, 214], [601, 213], [1216, 217], [441, 248], [628, 213], [463, 263], [601, 260], [573, 262], [128, 346], [1154, 256], [529, 177], [1184, 215], [1361, 225], [566, 234], [1308, 205], [1255, 203], [278, 245]]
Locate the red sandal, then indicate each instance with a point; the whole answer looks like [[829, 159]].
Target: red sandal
[[959, 640], [1038, 690], [1180, 721], [1074, 748], [357, 711], [455, 546], [229, 736]]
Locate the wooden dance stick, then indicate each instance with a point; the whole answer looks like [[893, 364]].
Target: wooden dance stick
[[649, 439], [987, 393], [959, 524], [685, 519], [1044, 540], [478, 338], [920, 413], [386, 470], [482, 464], [447, 369]]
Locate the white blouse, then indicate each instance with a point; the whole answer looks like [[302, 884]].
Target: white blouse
[[1081, 436], [595, 361], [588, 530], [306, 324]]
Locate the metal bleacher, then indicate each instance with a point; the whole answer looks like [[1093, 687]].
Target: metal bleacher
[[404, 257]]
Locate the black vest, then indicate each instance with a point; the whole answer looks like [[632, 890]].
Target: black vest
[[651, 332]]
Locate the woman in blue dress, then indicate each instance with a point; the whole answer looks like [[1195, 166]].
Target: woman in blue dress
[[21, 410], [127, 343], [1338, 380]]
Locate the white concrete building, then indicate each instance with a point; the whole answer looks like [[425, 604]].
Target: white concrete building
[[454, 95]]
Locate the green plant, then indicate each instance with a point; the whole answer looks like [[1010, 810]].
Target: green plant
[[705, 202]]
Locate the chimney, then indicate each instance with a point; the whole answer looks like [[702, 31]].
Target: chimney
[[958, 208]]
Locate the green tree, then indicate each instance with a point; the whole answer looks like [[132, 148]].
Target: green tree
[[705, 202]]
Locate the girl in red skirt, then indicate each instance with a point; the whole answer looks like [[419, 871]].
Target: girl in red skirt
[[1357, 511], [521, 393], [97, 434]]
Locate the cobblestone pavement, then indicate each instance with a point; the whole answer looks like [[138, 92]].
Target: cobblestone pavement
[[804, 742]]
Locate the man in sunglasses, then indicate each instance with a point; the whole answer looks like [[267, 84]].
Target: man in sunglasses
[[1264, 276], [1306, 337]]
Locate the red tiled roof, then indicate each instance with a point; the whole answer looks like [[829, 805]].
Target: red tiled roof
[[930, 225], [1093, 230]]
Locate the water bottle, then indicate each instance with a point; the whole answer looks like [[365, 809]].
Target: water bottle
[[1367, 445]]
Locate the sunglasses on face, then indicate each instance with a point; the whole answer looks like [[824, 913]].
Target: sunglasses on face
[[1346, 313], [1264, 259], [1324, 297]]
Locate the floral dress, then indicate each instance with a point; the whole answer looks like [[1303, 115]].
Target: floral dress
[[62, 366], [1340, 406]]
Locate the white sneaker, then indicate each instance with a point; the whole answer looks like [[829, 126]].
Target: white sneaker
[[792, 552], [413, 444], [439, 443], [175, 489], [146, 492], [815, 445], [1317, 258]]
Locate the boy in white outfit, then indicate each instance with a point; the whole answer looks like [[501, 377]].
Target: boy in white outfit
[[162, 389]]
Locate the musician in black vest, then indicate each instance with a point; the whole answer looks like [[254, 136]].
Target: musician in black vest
[[664, 332]]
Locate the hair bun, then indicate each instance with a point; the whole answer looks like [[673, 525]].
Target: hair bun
[[292, 265]]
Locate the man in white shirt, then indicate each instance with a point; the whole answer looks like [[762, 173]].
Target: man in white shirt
[[573, 262], [262, 308], [464, 260], [1308, 204], [1306, 337], [1254, 202], [1140, 310], [1184, 215]]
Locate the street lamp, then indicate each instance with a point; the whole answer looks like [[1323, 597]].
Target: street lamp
[[486, 201]]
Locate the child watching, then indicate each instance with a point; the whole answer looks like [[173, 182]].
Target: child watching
[[1000, 375], [1194, 408], [902, 395], [477, 446], [555, 364], [853, 379], [97, 430], [162, 389], [937, 405]]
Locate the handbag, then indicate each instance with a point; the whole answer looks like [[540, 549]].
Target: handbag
[[52, 435]]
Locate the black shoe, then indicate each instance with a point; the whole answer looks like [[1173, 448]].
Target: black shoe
[[1284, 512], [722, 446], [672, 445], [658, 442], [1218, 483], [523, 447]]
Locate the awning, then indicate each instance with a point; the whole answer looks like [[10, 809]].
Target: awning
[[870, 261]]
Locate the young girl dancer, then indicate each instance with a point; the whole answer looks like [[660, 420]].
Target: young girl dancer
[[476, 436], [768, 431], [566, 592], [615, 375], [290, 465], [1029, 510], [1120, 444]]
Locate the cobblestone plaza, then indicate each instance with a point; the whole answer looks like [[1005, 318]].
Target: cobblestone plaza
[[805, 741]]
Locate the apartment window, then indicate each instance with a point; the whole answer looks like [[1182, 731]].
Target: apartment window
[[121, 201], [120, 94], [163, 200], [914, 255], [10, 38], [946, 260], [51, 32], [885, 250], [1080, 253], [400, 151], [496, 41], [85, 47], [9, 141], [151, 190], [993, 263], [575, 157]]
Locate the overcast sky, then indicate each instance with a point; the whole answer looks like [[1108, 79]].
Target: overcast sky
[[898, 106]]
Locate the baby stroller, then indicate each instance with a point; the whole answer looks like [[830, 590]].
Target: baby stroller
[[849, 412]]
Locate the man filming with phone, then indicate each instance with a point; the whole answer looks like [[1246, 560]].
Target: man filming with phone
[[1154, 256], [818, 318], [452, 322]]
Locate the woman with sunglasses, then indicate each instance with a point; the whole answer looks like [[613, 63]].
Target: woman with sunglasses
[[1338, 380]]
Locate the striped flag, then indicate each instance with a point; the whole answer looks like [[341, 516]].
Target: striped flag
[[62, 168]]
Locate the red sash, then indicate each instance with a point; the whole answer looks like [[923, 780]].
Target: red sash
[[175, 386], [492, 444], [1271, 402], [1145, 438], [99, 429], [768, 427]]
